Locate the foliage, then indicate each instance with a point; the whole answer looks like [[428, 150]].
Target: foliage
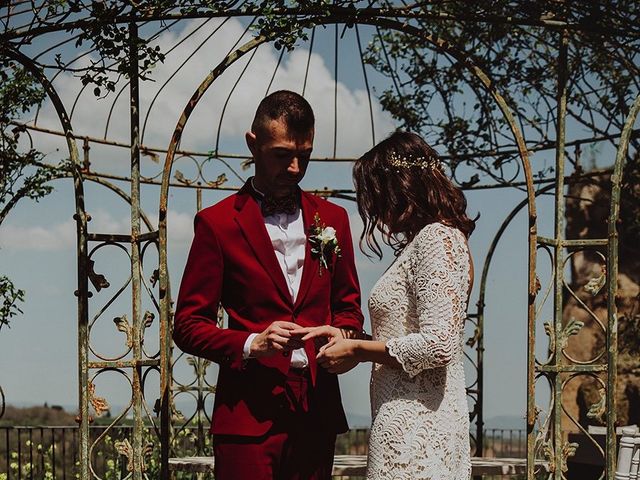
[[10, 296], [432, 91], [44, 469], [106, 29], [22, 173]]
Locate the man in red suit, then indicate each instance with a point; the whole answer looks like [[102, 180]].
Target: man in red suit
[[278, 259]]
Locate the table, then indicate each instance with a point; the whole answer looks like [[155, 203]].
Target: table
[[355, 465]]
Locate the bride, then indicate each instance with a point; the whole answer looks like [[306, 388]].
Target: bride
[[417, 308]]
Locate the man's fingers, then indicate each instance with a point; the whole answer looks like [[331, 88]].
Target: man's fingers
[[301, 331], [277, 341], [286, 325], [282, 340]]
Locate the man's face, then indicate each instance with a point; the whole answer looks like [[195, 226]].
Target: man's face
[[281, 157]]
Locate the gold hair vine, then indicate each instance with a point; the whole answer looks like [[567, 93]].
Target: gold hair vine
[[430, 162]]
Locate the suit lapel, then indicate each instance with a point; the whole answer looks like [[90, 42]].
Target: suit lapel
[[251, 223], [310, 268]]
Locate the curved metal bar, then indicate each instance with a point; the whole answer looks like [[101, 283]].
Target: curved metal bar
[[481, 300], [586, 433], [112, 64], [306, 70], [366, 84], [224, 108], [226, 102], [171, 77], [275, 70], [113, 103], [612, 280], [80, 216], [113, 422], [122, 194]]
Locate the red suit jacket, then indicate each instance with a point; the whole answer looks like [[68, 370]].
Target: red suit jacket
[[232, 261]]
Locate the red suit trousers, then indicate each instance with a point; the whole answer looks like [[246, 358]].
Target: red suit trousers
[[298, 446]]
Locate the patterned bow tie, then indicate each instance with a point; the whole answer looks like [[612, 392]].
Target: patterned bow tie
[[273, 206]]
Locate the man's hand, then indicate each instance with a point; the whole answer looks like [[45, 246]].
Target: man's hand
[[277, 338]]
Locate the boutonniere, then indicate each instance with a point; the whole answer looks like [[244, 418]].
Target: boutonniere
[[323, 242]]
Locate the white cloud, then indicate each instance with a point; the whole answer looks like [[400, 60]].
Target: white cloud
[[53, 238], [180, 228], [90, 115], [62, 236]]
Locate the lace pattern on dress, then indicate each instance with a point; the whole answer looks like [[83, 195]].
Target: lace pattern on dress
[[420, 416], [440, 267]]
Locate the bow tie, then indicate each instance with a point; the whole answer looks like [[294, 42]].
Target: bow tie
[[272, 206]]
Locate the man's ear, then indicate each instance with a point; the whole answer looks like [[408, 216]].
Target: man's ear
[[250, 138]]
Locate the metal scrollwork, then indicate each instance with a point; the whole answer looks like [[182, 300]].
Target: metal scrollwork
[[98, 280], [99, 404], [123, 325], [124, 448], [598, 409], [571, 328], [568, 450], [596, 284], [2, 404]]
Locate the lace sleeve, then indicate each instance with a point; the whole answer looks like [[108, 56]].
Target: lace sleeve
[[440, 268]]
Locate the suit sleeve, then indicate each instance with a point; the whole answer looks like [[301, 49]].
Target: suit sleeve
[[195, 328], [345, 289]]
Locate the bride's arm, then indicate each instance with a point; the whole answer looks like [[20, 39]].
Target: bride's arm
[[436, 276], [440, 269], [338, 351]]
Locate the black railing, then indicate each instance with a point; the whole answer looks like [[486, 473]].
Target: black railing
[[51, 453], [504, 443]]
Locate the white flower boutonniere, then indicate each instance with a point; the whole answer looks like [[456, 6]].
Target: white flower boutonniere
[[324, 243]]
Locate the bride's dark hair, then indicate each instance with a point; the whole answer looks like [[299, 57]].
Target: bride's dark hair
[[401, 188]]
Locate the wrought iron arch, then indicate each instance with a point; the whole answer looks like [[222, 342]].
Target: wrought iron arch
[[460, 57], [379, 18]]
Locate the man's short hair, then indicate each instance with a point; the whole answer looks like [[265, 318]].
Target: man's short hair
[[288, 106]]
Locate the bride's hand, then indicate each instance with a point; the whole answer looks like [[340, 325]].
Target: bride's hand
[[338, 356], [320, 335], [325, 331]]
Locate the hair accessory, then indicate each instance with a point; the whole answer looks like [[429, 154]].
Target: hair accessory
[[431, 162]]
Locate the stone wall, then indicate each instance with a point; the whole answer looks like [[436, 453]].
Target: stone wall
[[587, 211]]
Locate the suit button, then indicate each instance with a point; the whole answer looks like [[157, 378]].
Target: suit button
[[285, 354]]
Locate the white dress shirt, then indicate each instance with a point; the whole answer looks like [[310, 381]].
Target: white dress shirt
[[288, 239]]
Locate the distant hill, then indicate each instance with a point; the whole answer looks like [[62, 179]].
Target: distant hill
[[506, 422], [37, 416], [358, 421]]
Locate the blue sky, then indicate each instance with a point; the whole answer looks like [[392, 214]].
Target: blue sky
[[37, 241]]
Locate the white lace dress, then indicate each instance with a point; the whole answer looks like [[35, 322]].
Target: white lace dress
[[420, 416]]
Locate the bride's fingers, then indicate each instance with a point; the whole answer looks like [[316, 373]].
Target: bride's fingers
[[316, 332], [310, 335], [321, 352], [300, 331]]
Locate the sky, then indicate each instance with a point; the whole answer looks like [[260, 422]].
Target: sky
[[37, 241]]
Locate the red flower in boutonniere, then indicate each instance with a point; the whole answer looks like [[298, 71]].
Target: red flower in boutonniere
[[324, 243]]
